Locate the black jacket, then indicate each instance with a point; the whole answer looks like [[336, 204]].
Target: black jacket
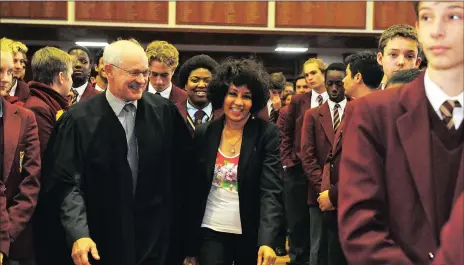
[[259, 184], [88, 174]]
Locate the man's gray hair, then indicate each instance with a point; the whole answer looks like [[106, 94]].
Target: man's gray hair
[[112, 52]]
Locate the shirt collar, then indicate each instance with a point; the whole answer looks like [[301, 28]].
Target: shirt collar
[[97, 87], [269, 103], [315, 94], [116, 103], [165, 93], [436, 95], [80, 90], [191, 109], [341, 103], [13, 88]]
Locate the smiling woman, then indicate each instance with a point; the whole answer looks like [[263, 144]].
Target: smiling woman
[[236, 204]]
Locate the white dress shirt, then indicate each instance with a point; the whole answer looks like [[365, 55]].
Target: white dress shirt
[[341, 110], [13, 88], [314, 102], [97, 87], [165, 93], [269, 107], [192, 110], [437, 97]]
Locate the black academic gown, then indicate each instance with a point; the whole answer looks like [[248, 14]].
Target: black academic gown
[[87, 153]]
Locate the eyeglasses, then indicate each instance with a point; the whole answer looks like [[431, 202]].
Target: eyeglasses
[[135, 73]]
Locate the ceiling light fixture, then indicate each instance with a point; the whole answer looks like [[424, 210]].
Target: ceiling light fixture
[[92, 43], [291, 49]]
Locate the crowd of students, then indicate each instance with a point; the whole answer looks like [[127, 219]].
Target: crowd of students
[[356, 162]]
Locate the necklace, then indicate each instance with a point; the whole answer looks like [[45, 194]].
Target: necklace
[[232, 149]]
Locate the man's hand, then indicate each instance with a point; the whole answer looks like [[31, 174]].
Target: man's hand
[[266, 256], [1, 258], [276, 102], [324, 201], [81, 249], [190, 261]]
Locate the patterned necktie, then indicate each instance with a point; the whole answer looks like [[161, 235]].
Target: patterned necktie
[[132, 152], [199, 115], [336, 117], [446, 110], [273, 116], [320, 100], [74, 94]]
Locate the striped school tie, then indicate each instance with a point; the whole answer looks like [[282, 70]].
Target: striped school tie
[[446, 110], [320, 100], [336, 117]]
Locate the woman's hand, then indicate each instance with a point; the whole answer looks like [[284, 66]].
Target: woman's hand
[[266, 256]]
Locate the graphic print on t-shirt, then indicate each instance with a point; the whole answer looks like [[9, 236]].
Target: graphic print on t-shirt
[[225, 172]]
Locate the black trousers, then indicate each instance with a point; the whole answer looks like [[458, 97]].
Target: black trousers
[[297, 214], [281, 238], [226, 249], [335, 252]]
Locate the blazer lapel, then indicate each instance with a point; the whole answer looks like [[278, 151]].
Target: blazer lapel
[[306, 104], [147, 119], [414, 133], [88, 92], [250, 133], [326, 122], [12, 121], [182, 107], [337, 145], [212, 141]]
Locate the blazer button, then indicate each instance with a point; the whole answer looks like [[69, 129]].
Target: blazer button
[[431, 256]]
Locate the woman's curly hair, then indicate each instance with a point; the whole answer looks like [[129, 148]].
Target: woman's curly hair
[[240, 72]]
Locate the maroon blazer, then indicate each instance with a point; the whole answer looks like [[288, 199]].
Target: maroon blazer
[[22, 91], [330, 173], [177, 95], [47, 105], [89, 92], [182, 107], [283, 112], [452, 237], [317, 137], [385, 203], [291, 133], [4, 236], [21, 172]]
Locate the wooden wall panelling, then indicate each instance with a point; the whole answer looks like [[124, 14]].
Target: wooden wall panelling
[[388, 13], [229, 13], [318, 14], [34, 9], [123, 11]]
